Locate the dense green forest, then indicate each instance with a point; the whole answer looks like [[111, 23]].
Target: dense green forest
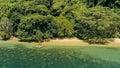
[[36, 20]]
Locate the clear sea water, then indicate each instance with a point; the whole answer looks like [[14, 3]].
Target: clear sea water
[[18, 56]]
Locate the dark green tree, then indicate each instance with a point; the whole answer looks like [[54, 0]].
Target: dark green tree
[[97, 24]]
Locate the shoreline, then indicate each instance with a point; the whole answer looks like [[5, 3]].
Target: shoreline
[[66, 42]]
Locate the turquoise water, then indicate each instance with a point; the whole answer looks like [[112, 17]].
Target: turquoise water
[[18, 56]]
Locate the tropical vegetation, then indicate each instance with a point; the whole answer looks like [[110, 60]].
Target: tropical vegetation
[[36, 20]]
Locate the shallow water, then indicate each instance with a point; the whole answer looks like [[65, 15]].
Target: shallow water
[[59, 57]]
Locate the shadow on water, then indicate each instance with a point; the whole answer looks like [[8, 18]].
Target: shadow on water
[[22, 57]]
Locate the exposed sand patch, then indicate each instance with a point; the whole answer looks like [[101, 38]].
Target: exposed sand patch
[[68, 41], [77, 42], [115, 42]]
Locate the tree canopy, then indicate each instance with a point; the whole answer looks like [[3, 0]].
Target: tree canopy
[[36, 20]]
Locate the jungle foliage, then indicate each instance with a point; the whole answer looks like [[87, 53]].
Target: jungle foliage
[[36, 20]]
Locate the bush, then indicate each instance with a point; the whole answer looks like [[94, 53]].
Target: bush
[[4, 36], [38, 36], [5, 28], [62, 27], [97, 41]]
